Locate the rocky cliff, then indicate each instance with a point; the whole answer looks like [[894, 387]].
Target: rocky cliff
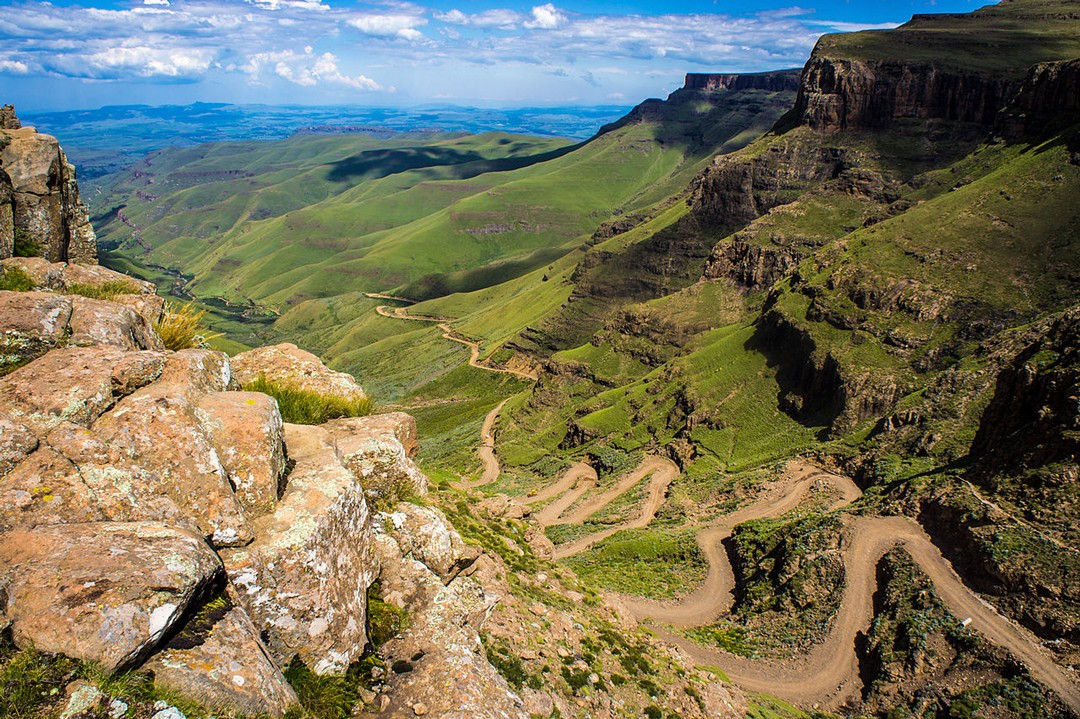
[[41, 212], [775, 81]]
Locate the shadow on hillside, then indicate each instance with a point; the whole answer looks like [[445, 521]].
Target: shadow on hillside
[[376, 164]]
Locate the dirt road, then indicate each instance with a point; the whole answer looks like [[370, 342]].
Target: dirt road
[[488, 458]]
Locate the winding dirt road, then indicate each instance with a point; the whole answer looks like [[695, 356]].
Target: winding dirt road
[[829, 675], [487, 450]]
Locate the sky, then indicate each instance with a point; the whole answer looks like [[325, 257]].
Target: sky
[[70, 55]]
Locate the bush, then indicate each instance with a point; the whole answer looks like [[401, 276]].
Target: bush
[[302, 406], [15, 279], [105, 291], [25, 244], [180, 327]]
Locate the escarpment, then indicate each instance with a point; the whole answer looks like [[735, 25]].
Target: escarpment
[[41, 212]]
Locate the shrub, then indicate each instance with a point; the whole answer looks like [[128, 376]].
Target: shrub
[[303, 406], [180, 327], [105, 291], [25, 244], [15, 279]]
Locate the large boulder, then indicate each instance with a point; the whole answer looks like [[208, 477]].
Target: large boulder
[[63, 276], [288, 364], [100, 322], [219, 661], [304, 579], [31, 323], [104, 592], [423, 534], [76, 384], [376, 450], [246, 430]]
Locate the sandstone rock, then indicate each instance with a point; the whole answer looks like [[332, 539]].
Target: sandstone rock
[[289, 364], [31, 323], [16, 442], [91, 275], [423, 534], [76, 384], [372, 448], [541, 546], [84, 699], [304, 580], [157, 427], [103, 592], [224, 665], [247, 433], [98, 322], [450, 674], [151, 307], [197, 371], [46, 275]]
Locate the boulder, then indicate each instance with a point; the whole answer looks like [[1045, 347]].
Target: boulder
[[76, 384], [73, 477], [151, 307], [372, 449], [99, 322], [288, 364], [222, 663], [46, 275], [16, 442], [105, 591], [304, 579], [72, 273], [423, 534], [31, 323], [195, 372], [247, 433], [158, 428]]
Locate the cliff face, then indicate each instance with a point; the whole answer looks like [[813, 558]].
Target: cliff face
[[39, 196], [838, 94], [779, 81], [1049, 96]]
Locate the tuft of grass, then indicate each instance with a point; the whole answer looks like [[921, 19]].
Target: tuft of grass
[[105, 291], [181, 328], [31, 682], [385, 621], [330, 697], [15, 279], [303, 406]]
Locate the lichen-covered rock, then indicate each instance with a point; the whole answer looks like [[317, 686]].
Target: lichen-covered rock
[[16, 442], [31, 323], [104, 592], [372, 448], [73, 477], [76, 384], [224, 665], [423, 534], [92, 275], [99, 322], [45, 275], [158, 428], [195, 372], [289, 364], [246, 430], [151, 307], [304, 579]]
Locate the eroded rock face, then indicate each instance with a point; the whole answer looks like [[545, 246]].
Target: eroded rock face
[[305, 577], [291, 365], [31, 323], [224, 665], [44, 196], [423, 534], [103, 591]]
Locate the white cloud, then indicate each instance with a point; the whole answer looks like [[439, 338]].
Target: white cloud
[[307, 69], [402, 26], [14, 67], [546, 17], [145, 61], [156, 3]]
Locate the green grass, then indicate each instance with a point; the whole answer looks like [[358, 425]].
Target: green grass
[[15, 279], [25, 245], [645, 562], [181, 327], [105, 291], [302, 406]]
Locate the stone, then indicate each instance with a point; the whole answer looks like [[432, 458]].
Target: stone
[[291, 365], [304, 579], [168, 712], [104, 591], [82, 698], [158, 428], [372, 448], [195, 372], [16, 443], [98, 322], [151, 307], [227, 666], [247, 433], [423, 534], [92, 275], [46, 275], [31, 323], [76, 384]]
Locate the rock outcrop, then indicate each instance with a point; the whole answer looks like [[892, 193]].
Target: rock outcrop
[[39, 197], [776, 81], [288, 364]]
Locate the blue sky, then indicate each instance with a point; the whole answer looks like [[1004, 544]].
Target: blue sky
[[65, 54]]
